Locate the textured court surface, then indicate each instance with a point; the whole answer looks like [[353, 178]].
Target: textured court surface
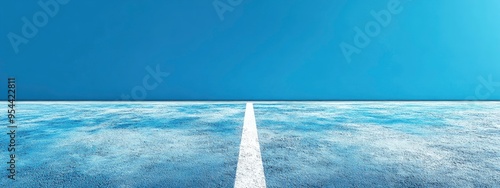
[[302, 144], [380, 144]]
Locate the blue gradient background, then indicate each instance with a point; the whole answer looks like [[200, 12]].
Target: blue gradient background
[[263, 50]]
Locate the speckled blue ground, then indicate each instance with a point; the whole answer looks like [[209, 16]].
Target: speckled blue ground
[[89, 144], [303, 144], [380, 144]]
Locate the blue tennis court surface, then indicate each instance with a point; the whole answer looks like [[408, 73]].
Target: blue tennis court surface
[[92, 144], [302, 144], [380, 144]]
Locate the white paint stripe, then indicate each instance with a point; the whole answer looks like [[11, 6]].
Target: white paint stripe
[[250, 171]]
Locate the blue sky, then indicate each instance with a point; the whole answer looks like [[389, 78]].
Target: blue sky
[[261, 50]]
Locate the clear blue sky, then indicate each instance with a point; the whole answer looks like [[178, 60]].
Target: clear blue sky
[[274, 50]]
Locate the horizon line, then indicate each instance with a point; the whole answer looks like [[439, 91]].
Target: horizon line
[[371, 100]]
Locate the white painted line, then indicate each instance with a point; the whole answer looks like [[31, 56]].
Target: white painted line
[[250, 171]]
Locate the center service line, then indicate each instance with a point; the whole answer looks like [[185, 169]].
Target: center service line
[[250, 171]]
